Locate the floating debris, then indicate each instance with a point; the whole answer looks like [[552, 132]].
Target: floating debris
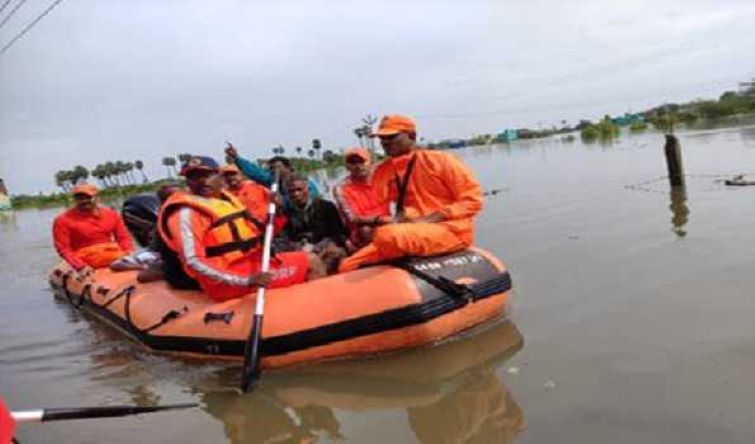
[[512, 370], [549, 385]]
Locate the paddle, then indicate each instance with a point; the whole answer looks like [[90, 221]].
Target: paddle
[[250, 372], [59, 414]]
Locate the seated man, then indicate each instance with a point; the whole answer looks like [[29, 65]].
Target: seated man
[[210, 232], [311, 220], [140, 214], [357, 200], [436, 198], [265, 176], [254, 196], [90, 235]]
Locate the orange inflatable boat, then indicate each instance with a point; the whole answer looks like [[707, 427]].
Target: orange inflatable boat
[[367, 311]]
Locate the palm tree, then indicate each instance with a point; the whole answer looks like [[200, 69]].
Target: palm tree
[[111, 171], [169, 162], [298, 150], [60, 180], [78, 174], [311, 153], [183, 158], [120, 168], [140, 166]]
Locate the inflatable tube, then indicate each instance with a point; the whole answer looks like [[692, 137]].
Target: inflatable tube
[[367, 311]]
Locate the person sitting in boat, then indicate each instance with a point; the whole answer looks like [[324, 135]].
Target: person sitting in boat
[[265, 177], [140, 214], [313, 224], [90, 235], [357, 200], [254, 196], [436, 198], [211, 234]]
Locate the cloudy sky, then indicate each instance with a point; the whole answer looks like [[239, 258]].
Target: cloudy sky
[[125, 80]]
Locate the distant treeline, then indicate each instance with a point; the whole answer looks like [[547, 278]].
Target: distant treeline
[[116, 179], [663, 118]]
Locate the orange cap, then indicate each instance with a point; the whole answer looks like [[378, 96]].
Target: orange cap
[[85, 188], [229, 169], [395, 124], [358, 152]]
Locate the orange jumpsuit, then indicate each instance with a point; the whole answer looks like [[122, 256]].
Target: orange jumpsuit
[[192, 226], [439, 182], [94, 238]]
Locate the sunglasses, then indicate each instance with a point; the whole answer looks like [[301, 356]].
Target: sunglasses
[[198, 174], [390, 138]]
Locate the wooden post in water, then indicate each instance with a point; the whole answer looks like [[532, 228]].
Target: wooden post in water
[[674, 161]]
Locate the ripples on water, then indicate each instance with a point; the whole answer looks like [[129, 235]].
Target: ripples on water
[[635, 300]]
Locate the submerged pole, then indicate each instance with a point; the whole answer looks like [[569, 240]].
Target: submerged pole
[[674, 161]]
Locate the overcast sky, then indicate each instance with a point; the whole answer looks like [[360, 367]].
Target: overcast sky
[[125, 80]]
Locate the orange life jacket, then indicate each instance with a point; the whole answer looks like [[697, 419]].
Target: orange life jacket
[[233, 232]]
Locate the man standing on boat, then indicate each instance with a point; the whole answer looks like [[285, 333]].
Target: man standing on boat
[[90, 235], [435, 195], [216, 241]]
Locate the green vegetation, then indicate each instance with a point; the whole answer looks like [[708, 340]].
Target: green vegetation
[[22, 201], [605, 131], [638, 127], [117, 180]]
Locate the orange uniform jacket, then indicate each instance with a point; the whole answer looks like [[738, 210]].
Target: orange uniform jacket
[[439, 182], [256, 198], [74, 231], [225, 275], [359, 199]]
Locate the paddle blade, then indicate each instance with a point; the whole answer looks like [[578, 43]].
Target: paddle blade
[[251, 369]]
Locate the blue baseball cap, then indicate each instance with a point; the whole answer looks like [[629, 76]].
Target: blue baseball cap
[[199, 163]]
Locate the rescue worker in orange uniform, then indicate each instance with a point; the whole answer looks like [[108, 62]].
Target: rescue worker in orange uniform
[[89, 234], [254, 196], [356, 198], [218, 245], [436, 198]]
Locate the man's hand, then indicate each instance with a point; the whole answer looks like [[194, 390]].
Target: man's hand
[[372, 220], [431, 218], [231, 151], [260, 279], [278, 199], [84, 272]]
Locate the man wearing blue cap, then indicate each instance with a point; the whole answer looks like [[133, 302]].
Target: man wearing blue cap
[[218, 243]]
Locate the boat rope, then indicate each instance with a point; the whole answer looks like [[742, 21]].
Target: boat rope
[[442, 283]]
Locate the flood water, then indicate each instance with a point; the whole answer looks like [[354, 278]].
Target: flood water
[[631, 322]]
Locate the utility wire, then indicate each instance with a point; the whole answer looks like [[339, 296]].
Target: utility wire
[[29, 26], [4, 5], [12, 11]]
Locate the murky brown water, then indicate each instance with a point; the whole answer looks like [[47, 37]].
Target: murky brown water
[[632, 321]]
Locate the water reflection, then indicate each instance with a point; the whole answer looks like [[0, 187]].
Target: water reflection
[[449, 393], [679, 210], [8, 221]]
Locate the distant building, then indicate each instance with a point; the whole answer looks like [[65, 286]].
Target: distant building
[[508, 135], [627, 119]]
